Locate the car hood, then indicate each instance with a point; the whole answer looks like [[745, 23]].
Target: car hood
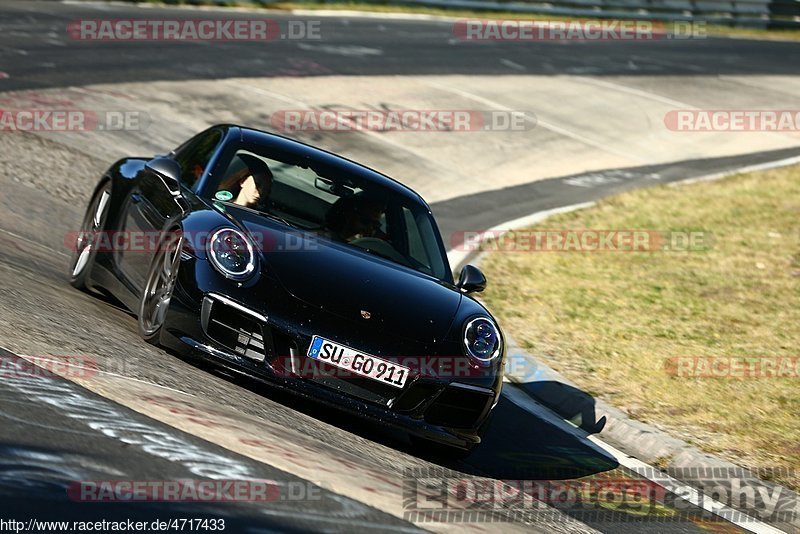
[[370, 292]]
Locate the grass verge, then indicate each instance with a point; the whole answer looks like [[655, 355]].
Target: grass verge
[[611, 321]]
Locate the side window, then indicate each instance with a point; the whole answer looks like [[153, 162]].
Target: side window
[[416, 248], [422, 244], [193, 155]]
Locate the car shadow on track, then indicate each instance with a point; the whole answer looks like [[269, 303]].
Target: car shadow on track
[[517, 444], [522, 445], [569, 402]]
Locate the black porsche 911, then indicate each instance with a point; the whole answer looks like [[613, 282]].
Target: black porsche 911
[[301, 268]]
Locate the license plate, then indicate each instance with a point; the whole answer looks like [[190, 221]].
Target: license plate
[[358, 363]]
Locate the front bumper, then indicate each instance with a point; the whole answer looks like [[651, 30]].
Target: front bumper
[[205, 321]]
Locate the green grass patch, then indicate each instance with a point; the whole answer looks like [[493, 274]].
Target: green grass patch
[[610, 321]]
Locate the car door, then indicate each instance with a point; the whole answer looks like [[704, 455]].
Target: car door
[[153, 205]]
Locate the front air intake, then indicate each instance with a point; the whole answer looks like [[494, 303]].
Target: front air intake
[[459, 406], [236, 329]]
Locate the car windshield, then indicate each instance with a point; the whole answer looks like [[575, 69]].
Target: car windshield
[[319, 199]]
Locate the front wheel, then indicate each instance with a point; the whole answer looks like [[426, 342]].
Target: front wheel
[[85, 250], [159, 286]]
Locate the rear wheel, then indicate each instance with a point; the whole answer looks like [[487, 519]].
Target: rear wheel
[[159, 286], [85, 244]]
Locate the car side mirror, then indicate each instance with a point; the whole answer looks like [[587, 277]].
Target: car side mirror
[[168, 170], [471, 280]]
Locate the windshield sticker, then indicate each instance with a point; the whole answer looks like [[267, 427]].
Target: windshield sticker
[[223, 195]]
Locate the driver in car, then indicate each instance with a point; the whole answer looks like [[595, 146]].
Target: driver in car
[[355, 217], [252, 185]]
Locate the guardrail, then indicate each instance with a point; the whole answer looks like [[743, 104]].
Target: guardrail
[[749, 13], [776, 14]]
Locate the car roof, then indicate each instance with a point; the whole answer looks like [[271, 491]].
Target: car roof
[[298, 148]]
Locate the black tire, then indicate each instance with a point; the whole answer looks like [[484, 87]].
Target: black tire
[[85, 251], [158, 288]]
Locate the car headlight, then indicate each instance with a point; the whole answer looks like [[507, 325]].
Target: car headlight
[[232, 254], [482, 341]]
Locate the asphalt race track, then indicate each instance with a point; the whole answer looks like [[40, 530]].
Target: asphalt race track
[[149, 415], [408, 48]]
